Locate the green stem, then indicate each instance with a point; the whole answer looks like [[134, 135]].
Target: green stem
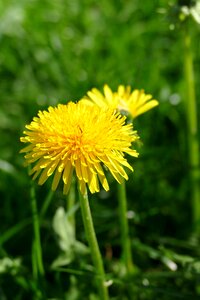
[[36, 227], [191, 115], [46, 204], [71, 198], [125, 240], [34, 261], [94, 248]]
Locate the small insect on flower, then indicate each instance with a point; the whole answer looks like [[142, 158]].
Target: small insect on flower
[[79, 137], [132, 103]]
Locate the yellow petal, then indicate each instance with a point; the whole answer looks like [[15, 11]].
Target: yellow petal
[[103, 181], [68, 170], [93, 183], [43, 177], [56, 180], [108, 93], [147, 106]]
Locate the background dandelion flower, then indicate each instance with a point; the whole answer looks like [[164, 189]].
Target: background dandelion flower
[[134, 102], [78, 137]]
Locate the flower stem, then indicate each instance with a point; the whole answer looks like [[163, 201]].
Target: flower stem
[[94, 248], [191, 115], [71, 198], [36, 227], [125, 240], [46, 203]]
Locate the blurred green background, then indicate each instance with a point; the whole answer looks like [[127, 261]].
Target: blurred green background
[[55, 51]]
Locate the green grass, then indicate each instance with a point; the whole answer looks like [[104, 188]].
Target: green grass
[[55, 51]]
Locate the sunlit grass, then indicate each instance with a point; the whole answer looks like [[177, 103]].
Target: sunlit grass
[[52, 52]]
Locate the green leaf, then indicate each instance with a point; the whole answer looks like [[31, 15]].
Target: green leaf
[[62, 260], [64, 230], [67, 242], [8, 265]]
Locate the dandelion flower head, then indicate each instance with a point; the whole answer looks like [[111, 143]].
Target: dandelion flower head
[[133, 103], [81, 138]]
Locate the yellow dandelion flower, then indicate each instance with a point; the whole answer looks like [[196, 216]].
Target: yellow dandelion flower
[[134, 103], [79, 137]]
